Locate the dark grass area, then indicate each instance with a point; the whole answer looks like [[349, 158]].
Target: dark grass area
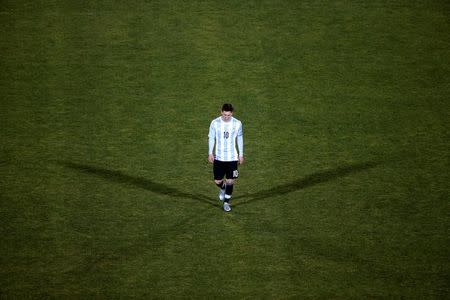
[[104, 113]]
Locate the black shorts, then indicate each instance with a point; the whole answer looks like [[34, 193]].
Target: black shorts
[[225, 168]]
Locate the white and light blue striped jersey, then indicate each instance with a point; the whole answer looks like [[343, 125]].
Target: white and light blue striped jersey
[[223, 137]]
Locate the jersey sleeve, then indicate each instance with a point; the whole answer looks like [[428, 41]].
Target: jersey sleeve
[[240, 141], [211, 138]]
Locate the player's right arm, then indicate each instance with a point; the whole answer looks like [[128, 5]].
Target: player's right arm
[[211, 142]]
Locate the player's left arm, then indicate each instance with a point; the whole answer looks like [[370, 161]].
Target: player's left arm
[[240, 144]]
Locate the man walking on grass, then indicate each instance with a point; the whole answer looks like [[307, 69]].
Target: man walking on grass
[[224, 133]]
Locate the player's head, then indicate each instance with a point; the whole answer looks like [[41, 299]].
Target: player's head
[[227, 107], [227, 111]]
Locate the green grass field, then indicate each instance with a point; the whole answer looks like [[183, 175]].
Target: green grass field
[[104, 182]]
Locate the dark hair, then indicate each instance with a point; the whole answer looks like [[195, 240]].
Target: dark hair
[[227, 107]]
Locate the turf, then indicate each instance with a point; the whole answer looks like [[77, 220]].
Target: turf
[[105, 187]]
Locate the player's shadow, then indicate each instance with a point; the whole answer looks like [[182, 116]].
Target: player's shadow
[[144, 183], [304, 182]]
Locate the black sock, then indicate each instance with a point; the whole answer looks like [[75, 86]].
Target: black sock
[[229, 189]]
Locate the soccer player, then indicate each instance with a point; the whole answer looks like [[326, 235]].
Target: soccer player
[[225, 132]]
